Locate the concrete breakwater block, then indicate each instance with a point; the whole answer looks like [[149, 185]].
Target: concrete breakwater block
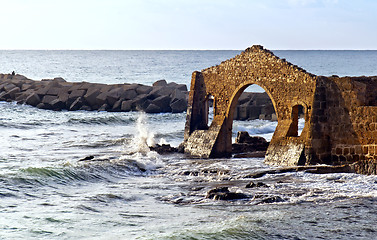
[[57, 94]]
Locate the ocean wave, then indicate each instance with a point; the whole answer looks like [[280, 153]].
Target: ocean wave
[[101, 120]]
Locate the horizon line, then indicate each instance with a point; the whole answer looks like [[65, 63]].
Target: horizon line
[[288, 49]]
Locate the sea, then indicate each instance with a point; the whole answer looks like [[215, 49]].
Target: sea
[[48, 190]]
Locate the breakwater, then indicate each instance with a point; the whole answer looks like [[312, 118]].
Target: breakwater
[[58, 94]]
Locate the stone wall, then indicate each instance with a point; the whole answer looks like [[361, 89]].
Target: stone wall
[[340, 113], [57, 94]]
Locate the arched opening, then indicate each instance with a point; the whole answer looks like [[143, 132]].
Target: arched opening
[[298, 121], [210, 102], [254, 121]]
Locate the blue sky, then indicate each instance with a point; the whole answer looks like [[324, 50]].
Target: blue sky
[[188, 24]]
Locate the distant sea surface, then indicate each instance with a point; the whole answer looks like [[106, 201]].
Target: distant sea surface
[[128, 192]]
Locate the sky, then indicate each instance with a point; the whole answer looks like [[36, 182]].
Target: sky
[[188, 24]]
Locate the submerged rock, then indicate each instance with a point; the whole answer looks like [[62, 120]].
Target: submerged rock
[[223, 193]]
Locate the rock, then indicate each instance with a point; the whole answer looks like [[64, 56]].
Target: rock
[[4, 96], [9, 87], [160, 91], [47, 99], [177, 95], [91, 96], [129, 94], [104, 107], [272, 199], [152, 108], [87, 158], [57, 105], [142, 89], [246, 143], [33, 99], [140, 103], [256, 185], [163, 103], [59, 79], [101, 99], [223, 193], [114, 95], [117, 106], [178, 106], [126, 106], [76, 105], [160, 83], [163, 149]]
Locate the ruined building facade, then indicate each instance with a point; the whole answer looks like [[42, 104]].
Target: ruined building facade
[[340, 112]]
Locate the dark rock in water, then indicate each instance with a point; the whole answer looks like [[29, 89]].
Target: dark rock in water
[[164, 149], [126, 106], [87, 158], [272, 199], [57, 105], [256, 185], [246, 143], [223, 193], [33, 100], [104, 107], [152, 108], [244, 137]]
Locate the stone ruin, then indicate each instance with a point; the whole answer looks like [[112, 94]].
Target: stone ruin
[[340, 113]]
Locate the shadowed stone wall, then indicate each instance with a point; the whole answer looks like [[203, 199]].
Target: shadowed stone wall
[[340, 123]]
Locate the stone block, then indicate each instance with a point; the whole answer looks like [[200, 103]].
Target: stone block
[[152, 108], [91, 96], [9, 87], [129, 94], [143, 89], [163, 103], [160, 91], [57, 105], [104, 107], [47, 99], [101, 99], [160, 83], [117, 106], [126, 106], [76, 105], [33, 99], [178, 106]]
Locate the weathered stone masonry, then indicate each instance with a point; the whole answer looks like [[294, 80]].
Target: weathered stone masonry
[[340, 113]]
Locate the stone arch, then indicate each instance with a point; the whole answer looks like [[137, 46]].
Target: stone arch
[[286, 84], [237, 93]]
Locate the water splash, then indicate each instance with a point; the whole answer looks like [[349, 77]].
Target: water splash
[[143, 138]]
